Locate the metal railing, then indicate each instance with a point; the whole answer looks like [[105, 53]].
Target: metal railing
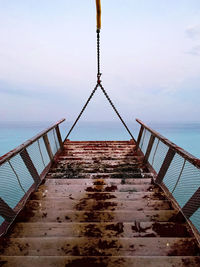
[[23, 169], [175, 170]]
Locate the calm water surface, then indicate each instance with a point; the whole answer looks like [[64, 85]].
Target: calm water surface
[[185, 135]]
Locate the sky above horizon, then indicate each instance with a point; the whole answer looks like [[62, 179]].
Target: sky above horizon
[[150, 58]]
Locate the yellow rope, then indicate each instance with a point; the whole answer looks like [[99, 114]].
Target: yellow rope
[[98, 5]]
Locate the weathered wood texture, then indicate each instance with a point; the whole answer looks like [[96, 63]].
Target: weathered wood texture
[[99, 207]]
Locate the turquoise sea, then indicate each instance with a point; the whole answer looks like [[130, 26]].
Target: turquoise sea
[[185, 135]]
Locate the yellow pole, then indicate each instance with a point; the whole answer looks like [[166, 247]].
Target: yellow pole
[[98, 5]]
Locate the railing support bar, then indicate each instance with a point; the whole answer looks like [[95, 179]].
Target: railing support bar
[[151, 141], [192, 205], [139, 136], [59, 136], [166, 163], [30, 166], [48, 147], [6, 212]]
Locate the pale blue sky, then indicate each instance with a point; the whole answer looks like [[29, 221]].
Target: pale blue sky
[[150, 59]]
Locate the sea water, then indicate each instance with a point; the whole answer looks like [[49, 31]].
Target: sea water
[[185, 135]]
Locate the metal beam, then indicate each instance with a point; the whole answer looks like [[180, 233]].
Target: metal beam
[[139, 136], [166, 163], [59, 137], [48, 147], [6, 212], [192, 205], [151, 141], [30, 166]]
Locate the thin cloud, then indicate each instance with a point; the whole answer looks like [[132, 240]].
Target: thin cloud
[[195, 51], [193, 32]]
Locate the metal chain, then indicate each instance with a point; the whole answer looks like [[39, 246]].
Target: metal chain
[[99, 84], [98, 56], [116, 111], [82, 110]]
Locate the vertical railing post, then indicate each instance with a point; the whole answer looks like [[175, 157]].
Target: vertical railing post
[[139, 136], [59, 137], [192, 205], [6, 212], [151, 141], [48, 147], [166, 163], [30, 166]]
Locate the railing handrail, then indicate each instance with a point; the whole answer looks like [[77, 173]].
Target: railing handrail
[[194, 160], [18, 149]]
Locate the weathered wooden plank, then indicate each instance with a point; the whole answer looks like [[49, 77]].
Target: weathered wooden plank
[[85, 246], [95, 216], [111, 261], [107, 181], [92, 204], [123, 196], [98, 188], [116, 229]]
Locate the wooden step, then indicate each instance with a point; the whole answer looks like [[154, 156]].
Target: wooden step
[[123, 196], [91, 142], [103, 149], [115, 229], [131, 158], [98, 164], [84, 161], [28, 215], [116, 153], [95, 169], [69, 175], [90, 182], [100, 261], [93, 204], [98, 188], [85, 246]]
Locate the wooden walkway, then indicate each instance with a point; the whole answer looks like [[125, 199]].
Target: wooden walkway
[[99, 207]]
